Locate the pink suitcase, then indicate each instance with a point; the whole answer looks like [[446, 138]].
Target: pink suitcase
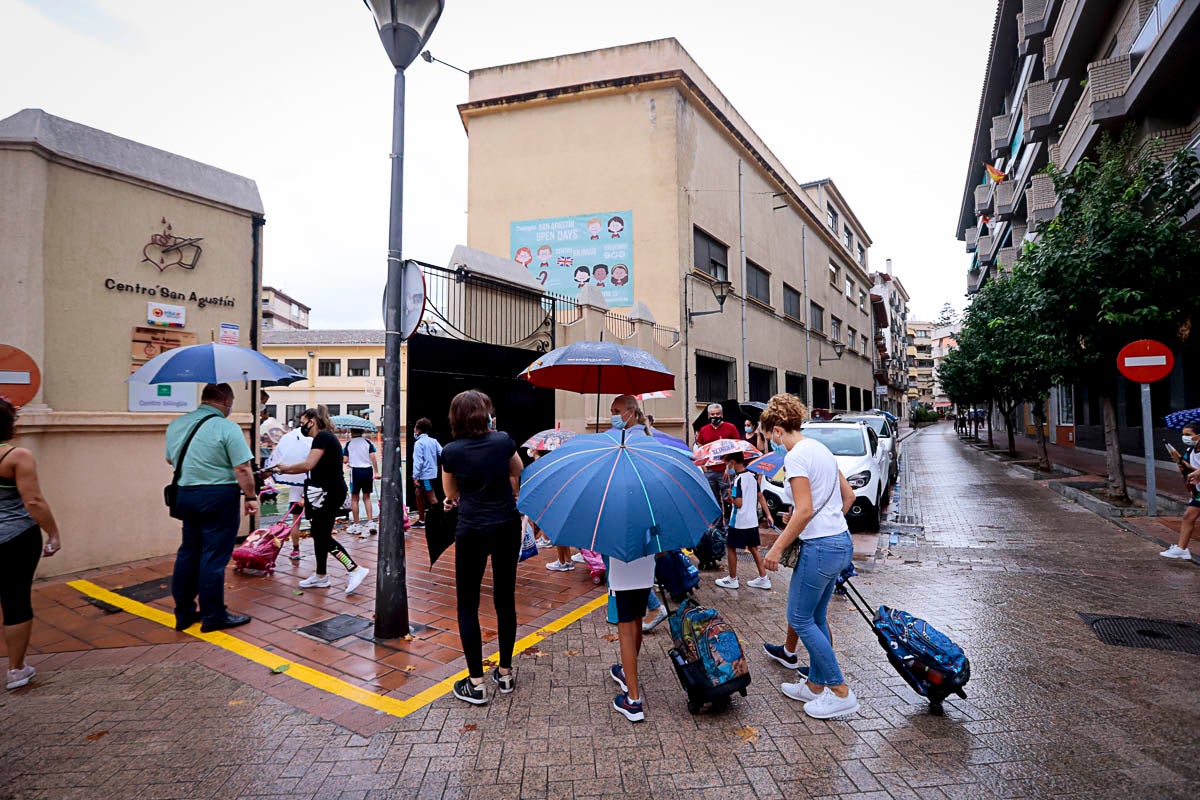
[[262, 547], [595, 565]]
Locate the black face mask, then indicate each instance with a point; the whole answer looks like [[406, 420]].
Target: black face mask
[[716, 421], [306, 429]]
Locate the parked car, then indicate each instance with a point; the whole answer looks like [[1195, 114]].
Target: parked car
[[861, 459], [889, 437]]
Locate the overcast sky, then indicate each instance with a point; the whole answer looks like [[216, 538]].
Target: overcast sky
[[877, 94]]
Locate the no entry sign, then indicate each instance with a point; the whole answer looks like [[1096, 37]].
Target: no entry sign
[[20, 378], [1145, 361]]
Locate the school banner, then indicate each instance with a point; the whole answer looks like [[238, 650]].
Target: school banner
[[564, 254]]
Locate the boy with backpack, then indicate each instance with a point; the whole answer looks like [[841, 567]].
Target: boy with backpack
[[743, 524]]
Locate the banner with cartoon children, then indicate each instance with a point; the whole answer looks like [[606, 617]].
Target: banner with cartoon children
[[564, 254]]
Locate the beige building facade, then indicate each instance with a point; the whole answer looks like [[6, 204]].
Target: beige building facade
[[281, 311], [343, 370], [110, 252], [641, 129], [920, 363]]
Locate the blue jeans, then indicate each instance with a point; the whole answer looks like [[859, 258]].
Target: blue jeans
[[821, 561], [211, 517]]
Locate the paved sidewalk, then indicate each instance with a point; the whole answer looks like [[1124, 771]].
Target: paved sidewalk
[[1052, 711]]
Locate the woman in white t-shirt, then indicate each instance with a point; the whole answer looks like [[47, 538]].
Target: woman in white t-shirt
[[822, 497]]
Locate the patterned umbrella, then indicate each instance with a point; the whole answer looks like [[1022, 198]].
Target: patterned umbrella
[[349, 422], [770, 465], [654, 395], [549, 439], [1178, 419], [211, 363], [710, 455]]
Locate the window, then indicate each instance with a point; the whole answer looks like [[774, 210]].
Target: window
[[820, 389], [848, 237], [712, 379], [816, 316], [839, 397], [379, 367], [295, 311], [862, 299], [293, 415], [358, 367], [793, 383], [329, 367], [270, 409], [850, 290], [855, 399], [835, 329], [791, 303], [862, 255], [831, 215], [266, 301], [357, 409], [851, 338], [334, 408], [864, 344], [298, 364], [268, 323], [712, 257], [758, 283], [762, 383], [834, 274], [1066, 405]]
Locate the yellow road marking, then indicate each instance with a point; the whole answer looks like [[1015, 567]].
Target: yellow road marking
[[316, 678]]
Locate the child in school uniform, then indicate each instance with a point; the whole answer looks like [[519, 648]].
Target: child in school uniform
[[743, 524]]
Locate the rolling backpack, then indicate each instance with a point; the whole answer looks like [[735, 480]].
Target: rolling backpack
[[928, 660], [676, 574], [707, 656], [711, 547]]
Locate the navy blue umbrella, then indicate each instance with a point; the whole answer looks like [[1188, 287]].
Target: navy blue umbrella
[[621, 494], [1178, 419]]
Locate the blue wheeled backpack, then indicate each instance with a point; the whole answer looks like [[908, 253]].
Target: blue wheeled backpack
[[707, 656], [928, 660], [676, 574]]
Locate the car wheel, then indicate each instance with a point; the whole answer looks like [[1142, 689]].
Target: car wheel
[[869, 518]]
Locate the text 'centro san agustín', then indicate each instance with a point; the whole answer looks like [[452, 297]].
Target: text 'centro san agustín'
[[168, 294]]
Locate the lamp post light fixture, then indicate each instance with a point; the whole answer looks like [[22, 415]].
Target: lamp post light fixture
[[404, 28], [720, 290], [838, 349]]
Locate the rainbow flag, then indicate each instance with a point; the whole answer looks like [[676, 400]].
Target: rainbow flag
[[996, 175]]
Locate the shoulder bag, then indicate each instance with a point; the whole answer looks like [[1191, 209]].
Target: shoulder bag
[[171, 490], [791, 556]]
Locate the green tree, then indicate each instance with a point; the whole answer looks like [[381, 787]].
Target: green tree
[[947, 317], [1116, 265]]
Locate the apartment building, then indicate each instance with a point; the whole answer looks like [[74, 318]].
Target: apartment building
[[343, 370], [920, 363], [889, 301], [945, 339], [627, 169], [1061, 73], [282, 312]]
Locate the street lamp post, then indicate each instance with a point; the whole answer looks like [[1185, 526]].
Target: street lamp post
[[404, 28]]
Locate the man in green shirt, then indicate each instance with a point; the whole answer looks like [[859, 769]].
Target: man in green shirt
[[216, 470]]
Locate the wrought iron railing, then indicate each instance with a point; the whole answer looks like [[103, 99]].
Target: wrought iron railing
[[619, 325], [666, 337]]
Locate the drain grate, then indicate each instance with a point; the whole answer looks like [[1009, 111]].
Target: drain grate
[[1155, 634], [334, 628], [147, 591]]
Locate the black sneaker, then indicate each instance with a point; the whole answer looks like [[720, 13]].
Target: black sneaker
[[468, 692], [505, 683], [777, 652]]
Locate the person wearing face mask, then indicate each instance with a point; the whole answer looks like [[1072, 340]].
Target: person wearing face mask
[[716, 429], [324, 493], [1191, 465], [216, 471]]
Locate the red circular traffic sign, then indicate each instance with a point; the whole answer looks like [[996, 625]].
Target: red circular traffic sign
[[20, 377], [1145, 361]]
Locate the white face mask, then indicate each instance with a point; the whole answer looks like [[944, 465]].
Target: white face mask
[[1187, 441]]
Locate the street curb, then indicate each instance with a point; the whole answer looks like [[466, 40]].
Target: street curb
[[1141, 534]]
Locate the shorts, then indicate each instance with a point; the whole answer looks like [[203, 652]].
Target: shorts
[[425, 485], [362, 480], [631, 604], [1194, 503], [742, 538]]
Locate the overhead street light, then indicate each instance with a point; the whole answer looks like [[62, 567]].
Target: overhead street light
[[404, 28]]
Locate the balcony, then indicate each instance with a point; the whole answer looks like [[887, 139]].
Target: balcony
[[1075, 136], [1022, 41], [983, 198], [986, 251], [1036, 16], [1006, 199], [972, 238], [1041, 203], [1107, 82], [1001, 134], [1073, 40], [975, 280], [1039, 106], [1006, 258]]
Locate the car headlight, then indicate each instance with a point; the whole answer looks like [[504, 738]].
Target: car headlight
[[859, 479]]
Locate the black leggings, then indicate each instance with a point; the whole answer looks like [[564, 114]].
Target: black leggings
[[321, 531], [471, 551], [18, 561]]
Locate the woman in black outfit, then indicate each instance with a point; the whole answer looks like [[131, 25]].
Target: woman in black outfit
[[481, 474], [324, 493]]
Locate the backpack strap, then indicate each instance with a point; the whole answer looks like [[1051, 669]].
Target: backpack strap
[[183, 451]]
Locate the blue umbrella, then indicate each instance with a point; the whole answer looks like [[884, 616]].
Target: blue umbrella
[[622, 495], [1178, 419], [211, 363], [349, 422], [671, 441], [887, 414]]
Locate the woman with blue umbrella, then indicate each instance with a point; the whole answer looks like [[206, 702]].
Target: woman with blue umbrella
[[622, 494]]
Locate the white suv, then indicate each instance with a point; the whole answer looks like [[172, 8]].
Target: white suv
[[861, 459]]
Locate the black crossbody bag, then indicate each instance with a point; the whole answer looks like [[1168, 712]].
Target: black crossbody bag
[[171, 490]]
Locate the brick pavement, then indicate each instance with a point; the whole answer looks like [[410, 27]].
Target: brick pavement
[[1052, 712]]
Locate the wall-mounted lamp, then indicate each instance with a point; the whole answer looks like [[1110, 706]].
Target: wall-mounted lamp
[[838, 349], [311, 354], [720, 290]]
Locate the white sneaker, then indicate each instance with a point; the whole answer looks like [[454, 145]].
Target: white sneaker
[[760, 583], [355, 578], [798, 691], [543, 542], [659, 616], [560, 566], [1175, 551], [727, 582], [828, 705], [372, 527], [578, 558], [19, 677], [315, 581], [354, 528]]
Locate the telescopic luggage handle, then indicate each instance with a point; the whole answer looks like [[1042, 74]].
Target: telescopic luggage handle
[[851, 591]]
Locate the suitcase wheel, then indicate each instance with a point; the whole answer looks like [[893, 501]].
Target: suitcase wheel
[[742, 692], [694, 706]]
